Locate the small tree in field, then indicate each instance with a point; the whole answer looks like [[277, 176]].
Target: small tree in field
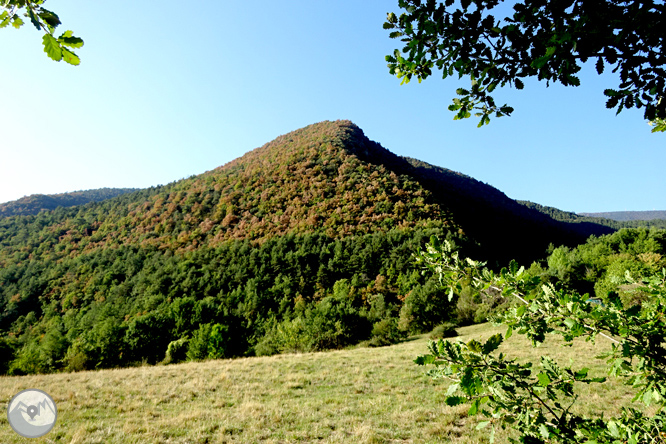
[[537, 400]]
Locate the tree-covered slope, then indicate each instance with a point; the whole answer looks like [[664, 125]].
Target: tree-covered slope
[[35, 203], [629, 215], [504, 228], [300, 232], [309, 180], [302, 244], [616, 221], [327, 177], [599, 266]]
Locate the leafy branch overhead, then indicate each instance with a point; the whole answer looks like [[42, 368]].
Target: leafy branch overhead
[[536, 400], [57, 48], [547, 40]]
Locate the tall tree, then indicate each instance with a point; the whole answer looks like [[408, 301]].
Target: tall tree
[[544, 39]]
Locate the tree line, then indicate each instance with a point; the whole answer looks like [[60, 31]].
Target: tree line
[[131, 304]]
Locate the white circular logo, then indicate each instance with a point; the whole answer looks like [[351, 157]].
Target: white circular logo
[[32, 413]]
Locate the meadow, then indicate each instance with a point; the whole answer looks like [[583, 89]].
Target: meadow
[[356, 395]]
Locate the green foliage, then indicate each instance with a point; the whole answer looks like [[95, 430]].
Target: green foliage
[[475, 307], [28, 361], [177, 351], [217, 341], [613, 220], [445, 330], [198, 347], [302, 244], [601, 264], [537, 401], [7, 350], [209, 341], [33, 204], [659, 125], [122, 306], [334, 322], [386, 332], [545, 40], [57, 48], [425, 307], [145, 339], [288, 336]]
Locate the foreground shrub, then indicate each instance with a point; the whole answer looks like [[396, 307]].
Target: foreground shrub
[[537, 400]]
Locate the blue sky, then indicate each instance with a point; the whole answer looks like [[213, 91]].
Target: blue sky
[[172, 90]]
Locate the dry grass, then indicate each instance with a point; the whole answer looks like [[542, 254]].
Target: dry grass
[[360, 395]]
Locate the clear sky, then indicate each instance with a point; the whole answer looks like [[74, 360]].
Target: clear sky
[[170, 89]]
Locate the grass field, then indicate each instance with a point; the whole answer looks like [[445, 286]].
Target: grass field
[[361, 395]]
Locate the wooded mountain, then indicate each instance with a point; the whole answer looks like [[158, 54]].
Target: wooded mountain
[[646, 220], [304, 243], [629, 215], [35, 203]]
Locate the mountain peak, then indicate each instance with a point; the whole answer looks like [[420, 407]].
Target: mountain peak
[[307, 142], [328, 178], [327, 175]]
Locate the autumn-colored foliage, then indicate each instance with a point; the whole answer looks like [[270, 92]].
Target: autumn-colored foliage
[[308, 237]]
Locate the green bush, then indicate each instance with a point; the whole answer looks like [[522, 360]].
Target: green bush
[[386, 332], [445, 330], [28, 361], [217, 342], [146, 338], [210, 341], [176, 351], [425, 307], [289, 336], [476, 307], [197, 348], [334, 323], [77, 358], [331, 323], [53, 347], [269, 343]]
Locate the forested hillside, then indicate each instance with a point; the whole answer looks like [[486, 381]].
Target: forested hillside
[[35, 203], [616, 221], [302, 244], [631, 215], [598, 267]]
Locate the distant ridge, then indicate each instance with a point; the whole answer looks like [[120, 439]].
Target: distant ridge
[[600, 219], [625, 216], [33, 204]]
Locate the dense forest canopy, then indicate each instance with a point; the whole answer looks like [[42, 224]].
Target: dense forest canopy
[[654, 215], [303, 244], [615, 220], [599, 266], [35, 203]]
